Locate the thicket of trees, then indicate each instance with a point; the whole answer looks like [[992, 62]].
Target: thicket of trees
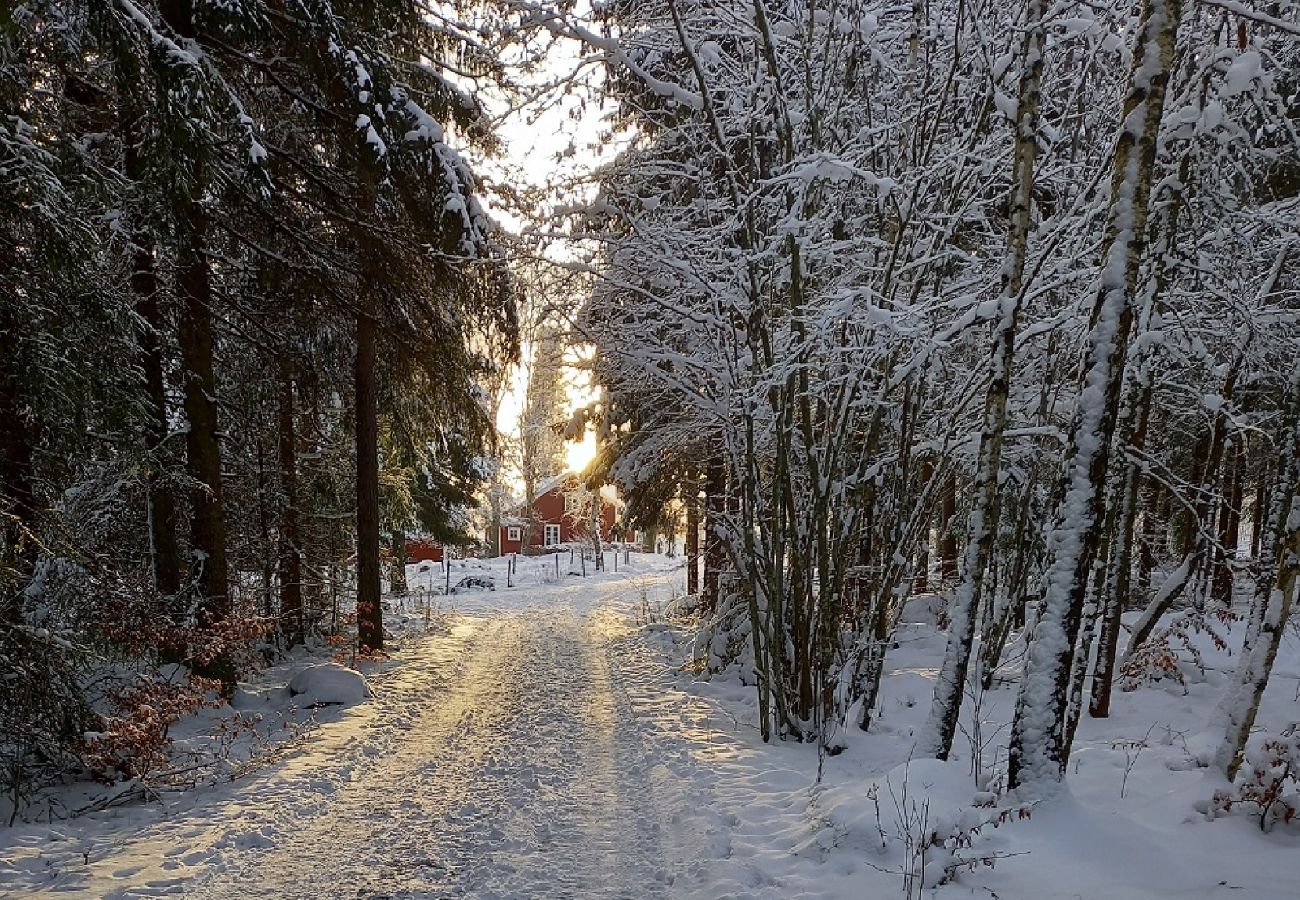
[[1010, 287], [1003, 295], [248, 301]]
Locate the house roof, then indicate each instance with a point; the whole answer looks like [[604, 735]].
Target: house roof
[[546, 485]]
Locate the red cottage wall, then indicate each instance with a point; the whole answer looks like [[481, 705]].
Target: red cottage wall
[[508, 546], [422, 550], [549, 509]]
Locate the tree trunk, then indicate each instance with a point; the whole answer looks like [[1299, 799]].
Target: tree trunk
[[290, 566], [1229, 526], [1152, 533], [370, 615], [1115, 589], [714, 552], [936, 737], [1038, 752], [202, 440], [1122, 519], [397, 549], [1257, 515], [921, 583], [691, 494], [18, 439], [595, 531], [1277, 578], [164, 547], [947, 532], [197, 337], [494, 537]]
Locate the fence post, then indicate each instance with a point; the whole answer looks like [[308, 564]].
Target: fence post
[[557, 567]]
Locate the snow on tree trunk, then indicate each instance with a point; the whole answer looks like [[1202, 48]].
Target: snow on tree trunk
[[1038, 752], [1277, 580], [936, 736]]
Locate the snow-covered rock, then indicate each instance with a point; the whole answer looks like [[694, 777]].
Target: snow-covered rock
[[329, 683], [249, 696], [924, 609]]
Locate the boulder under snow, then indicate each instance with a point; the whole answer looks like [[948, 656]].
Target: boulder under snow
[[329, 683]]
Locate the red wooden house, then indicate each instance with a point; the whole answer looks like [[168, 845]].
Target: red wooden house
[[560, 515], [420, 549]]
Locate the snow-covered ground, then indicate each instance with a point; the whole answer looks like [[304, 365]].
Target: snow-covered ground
[[549, 741], [498, 757]]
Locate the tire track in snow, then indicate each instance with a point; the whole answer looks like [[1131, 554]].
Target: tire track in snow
[[526, 778], [506, 760]]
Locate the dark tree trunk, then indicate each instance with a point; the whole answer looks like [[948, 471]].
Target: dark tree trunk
[[1121, 526], [397, 547], [494, 537], [691, 494], [714, 551], [164, 547], [19, 433], [370, 623], [1229, 525], [921, 583], [1152, 533], [947, 536], [202, 442], [290, 568]]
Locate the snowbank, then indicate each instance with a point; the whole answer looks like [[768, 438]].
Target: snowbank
[[326, 683]]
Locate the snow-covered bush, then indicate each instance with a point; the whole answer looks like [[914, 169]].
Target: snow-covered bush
[[723, 638], [43, 711], [133, 740], [922, 822], [1268, 784], [1177, 650]]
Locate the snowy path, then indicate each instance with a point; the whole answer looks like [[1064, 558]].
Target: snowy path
[[524, 779], [550, 746], [505, 760]]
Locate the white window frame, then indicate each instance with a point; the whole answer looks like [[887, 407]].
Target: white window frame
[[512, 533], [551, 535]]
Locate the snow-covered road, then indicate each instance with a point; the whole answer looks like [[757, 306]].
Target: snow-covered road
[[505, 759], [549, 744], [522, 775]]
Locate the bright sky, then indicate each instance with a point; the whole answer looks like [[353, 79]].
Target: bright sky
[[542, 148]]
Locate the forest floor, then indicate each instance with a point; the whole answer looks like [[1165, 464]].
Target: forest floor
[[548, 741]]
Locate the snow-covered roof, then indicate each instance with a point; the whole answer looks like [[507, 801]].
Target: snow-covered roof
[[546, 485]]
